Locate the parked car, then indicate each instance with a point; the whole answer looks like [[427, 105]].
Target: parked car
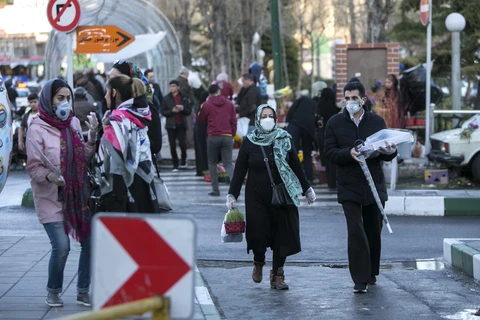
[[22, 99], [458, 149]]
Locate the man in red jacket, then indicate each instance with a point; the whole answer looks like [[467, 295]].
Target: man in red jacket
[[220, 115]]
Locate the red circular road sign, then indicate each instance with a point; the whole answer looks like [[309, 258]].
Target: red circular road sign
[[424, 11], [63, 15]]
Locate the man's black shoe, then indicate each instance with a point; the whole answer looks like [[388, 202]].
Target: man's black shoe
[[372, 281], [214, 193]]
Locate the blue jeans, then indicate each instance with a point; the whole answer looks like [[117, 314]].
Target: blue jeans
[[60, 249]]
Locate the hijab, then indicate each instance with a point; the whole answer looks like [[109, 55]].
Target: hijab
[[282, 144], [73, 165]]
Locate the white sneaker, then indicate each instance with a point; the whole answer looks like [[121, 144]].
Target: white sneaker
[[175, 170]]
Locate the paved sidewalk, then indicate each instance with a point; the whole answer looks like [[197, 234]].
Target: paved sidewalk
[[23, 278]]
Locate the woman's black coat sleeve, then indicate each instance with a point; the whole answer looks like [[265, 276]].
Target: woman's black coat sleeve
[[241, 168]]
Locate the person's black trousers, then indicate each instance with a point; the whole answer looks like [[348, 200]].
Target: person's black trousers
[[364, 225], [173, 135], [303, 141]]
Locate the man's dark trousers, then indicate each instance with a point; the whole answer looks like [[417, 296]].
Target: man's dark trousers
[[303, 141], [173, 135], [364, 225]]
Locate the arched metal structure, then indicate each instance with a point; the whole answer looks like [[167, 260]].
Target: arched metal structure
[[135, 17]]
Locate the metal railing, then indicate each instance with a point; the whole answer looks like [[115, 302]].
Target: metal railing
[[159, 306]]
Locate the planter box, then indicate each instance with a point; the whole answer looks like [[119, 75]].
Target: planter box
[[235, 227]]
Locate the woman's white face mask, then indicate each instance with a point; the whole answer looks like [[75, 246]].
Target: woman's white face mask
[[267, 124], [62, 110]]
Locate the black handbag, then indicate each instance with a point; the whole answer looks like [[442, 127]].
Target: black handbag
[[95, 199], [280, 196]]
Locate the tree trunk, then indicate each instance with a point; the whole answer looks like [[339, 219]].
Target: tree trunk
[[353, 21], [219, 37], [182, 26]]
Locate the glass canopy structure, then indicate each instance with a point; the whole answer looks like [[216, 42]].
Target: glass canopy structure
[[137, 17]]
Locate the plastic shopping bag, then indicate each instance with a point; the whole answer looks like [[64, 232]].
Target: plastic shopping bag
[[233, 226], [378, 139], [242, 126]]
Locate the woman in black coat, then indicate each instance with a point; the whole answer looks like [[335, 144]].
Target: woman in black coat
[[269, 227], [326, 108]]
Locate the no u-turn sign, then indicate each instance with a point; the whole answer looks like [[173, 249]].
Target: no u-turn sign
[[63, 15]]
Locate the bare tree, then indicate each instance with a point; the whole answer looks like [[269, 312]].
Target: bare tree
[[180, 13], [378, 14], [245, 18], [215, 17], [312, 20]]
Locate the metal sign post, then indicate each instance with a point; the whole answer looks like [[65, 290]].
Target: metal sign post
[[428, 108]]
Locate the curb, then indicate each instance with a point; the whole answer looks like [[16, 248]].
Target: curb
[[203, 299], [432, 206], [461, 254]]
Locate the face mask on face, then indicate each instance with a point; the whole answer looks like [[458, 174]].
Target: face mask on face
[[353, 107], [267, 124], [62, 110]]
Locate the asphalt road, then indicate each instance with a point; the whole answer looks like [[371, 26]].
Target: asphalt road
[[413, 284]]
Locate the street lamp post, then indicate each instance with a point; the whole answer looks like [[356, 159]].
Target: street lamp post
[[455, 23]]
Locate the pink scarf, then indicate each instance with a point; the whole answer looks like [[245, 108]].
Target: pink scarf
[[73, 167]]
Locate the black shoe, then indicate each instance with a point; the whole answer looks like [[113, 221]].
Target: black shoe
[[372, 281], [360, 288], [214, 193]]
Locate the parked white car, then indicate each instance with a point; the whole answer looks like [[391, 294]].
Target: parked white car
[[455, 150]]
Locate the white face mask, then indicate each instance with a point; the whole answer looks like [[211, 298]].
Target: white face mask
[[62, 110], [267, 124], [353, 107]]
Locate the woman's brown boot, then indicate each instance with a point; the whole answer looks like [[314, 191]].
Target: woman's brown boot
[[278, 281], [257, 274]]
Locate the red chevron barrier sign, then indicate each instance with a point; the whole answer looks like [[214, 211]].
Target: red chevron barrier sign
[[139, 256]]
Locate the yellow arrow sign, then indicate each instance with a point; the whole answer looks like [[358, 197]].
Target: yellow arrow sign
[[102, 39]]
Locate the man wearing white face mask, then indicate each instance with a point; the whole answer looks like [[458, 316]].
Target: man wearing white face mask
[[220, 115], [364, 220]]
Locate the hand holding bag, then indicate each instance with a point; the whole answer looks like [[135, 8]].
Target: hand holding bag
[[280, 196]]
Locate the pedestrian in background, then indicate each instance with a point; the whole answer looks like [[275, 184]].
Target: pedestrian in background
[[157, 92], [131, 70], [267, 226], [83, 108], [176, 108], [200, 136], [226, 88], [248, 100], [219, 114], [187, 91], [387, 103], [363, 217], [301, 126], [126, 166], [326, 107], [27, 119], [61, 202]]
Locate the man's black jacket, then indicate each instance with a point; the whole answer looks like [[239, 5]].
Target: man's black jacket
[[248, 100], [340, 136], [167, 107]]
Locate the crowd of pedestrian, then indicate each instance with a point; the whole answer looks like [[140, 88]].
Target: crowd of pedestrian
[[111, 131]]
